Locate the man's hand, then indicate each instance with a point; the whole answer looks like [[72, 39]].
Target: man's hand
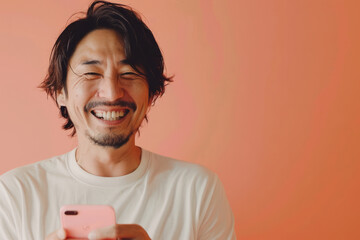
[[57, 235], [117, 231], [120, 231]]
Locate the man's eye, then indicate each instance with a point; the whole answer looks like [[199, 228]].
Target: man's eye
[[129, 75], [91, 75]]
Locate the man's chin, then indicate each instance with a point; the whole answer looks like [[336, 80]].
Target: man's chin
[[110, 140]]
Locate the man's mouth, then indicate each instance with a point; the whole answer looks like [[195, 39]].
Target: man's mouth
[[110, 115]]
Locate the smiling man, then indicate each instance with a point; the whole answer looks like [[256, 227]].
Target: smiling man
[[105, 72], [106, 100]]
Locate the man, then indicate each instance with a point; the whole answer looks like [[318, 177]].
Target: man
[[105, 72]]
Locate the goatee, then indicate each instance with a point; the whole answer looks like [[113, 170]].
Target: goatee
[[110, 140]]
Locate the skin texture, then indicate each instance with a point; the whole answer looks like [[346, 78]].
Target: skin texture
[[97, 77]]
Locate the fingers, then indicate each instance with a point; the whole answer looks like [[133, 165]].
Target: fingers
[[131, 231], [57, 235]]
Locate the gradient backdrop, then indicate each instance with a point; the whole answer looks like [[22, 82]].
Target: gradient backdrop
[[265, 95]]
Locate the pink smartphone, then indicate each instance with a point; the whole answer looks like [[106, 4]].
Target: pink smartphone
[[79, 220]]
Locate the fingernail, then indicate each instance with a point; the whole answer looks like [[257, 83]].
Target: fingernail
[[61, 234], [92, 236]]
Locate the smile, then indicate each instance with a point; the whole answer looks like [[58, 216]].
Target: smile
[[110, 115]]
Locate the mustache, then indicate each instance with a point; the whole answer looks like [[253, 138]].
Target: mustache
[[117, 103]]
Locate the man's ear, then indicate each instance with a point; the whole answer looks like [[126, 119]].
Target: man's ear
[[61, 98]]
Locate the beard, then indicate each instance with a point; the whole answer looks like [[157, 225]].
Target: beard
[[110, 140]]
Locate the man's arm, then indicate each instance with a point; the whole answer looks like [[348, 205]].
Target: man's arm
[[216, 220], [9, 227]]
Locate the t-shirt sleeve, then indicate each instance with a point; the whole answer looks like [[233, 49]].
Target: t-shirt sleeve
[[216, 219], [8, 228]]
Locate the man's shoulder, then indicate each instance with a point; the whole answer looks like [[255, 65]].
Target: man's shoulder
[[179, 168], [37, 169]]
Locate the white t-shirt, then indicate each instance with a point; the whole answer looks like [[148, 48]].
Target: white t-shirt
[[170, 199]]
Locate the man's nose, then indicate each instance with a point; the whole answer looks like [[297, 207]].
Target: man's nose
[[110, 88]]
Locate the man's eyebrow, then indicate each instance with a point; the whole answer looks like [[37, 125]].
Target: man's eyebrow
[[125, 61], [97, 62], [91, 62]]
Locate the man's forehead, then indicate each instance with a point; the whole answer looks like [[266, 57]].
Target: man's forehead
[[92, 54], [97, 46]]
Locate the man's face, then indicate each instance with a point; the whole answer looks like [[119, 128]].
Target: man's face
[[106, 99]]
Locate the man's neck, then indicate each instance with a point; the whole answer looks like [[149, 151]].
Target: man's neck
[[108, 161]]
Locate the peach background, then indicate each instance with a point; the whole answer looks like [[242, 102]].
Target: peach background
[[265, 95]]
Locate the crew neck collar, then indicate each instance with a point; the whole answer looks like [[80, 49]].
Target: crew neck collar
[[81, 175]]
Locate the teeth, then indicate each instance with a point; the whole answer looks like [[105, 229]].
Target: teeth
[[99, 114], [110, 115]]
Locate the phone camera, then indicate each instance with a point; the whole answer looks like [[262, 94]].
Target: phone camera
[[71, 212]]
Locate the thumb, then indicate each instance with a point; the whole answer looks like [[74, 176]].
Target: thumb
[[106, 232], [57, 235], [61, 234]]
